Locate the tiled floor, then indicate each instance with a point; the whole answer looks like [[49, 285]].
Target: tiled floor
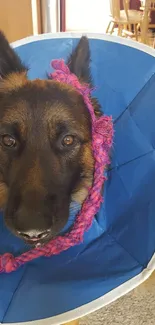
[[136, 308]]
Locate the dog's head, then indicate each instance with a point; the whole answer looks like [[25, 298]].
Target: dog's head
[[46, 159]]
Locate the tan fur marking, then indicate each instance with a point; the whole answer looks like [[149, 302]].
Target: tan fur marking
[[17, 113], [13, 81], [19, 79]]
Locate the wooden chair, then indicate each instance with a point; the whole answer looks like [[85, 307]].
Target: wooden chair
[[152, 9], [124, 19], [151, 5], [148, 7]]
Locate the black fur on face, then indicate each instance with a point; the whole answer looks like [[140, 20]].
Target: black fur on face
[[45, 146]]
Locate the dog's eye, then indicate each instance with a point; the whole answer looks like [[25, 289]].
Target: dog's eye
[[8, 141], [68, 140]]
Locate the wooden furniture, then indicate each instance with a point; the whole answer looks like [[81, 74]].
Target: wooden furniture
[[124, 19], [150, 4], [20, 18], [75, 322], [148, 7]]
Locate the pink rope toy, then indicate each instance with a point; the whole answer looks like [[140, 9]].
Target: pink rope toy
[[102, 135]]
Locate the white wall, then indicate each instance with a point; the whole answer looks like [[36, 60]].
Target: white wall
[[87, 15]]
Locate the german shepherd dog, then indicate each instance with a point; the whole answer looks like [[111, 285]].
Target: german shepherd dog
[[46, 158]]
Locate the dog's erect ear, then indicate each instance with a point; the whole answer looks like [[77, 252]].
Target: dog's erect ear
[[9, 60], [79, 64], [79, 61]]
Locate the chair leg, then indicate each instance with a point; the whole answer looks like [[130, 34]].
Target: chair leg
[[119, 30], [112, 29], [138, 26], [136, 32], [129, 26], [74, 322], [107, 29]]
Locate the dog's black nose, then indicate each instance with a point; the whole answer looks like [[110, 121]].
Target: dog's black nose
[[34, 235]]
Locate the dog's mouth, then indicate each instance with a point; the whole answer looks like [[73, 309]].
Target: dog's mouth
[[33, 237], [38, 230], [41, 228], [38, 242]]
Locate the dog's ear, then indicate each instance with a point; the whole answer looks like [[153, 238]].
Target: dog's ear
[[79, 61], [79, 64], [9, 60]]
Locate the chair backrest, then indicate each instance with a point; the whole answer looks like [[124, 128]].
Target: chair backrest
[[115, 9], [149, 3], [152, 5]]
